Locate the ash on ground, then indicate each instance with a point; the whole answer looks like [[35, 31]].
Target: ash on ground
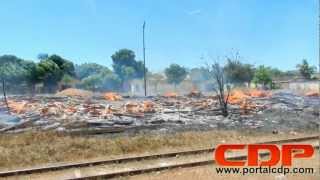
[[110, 113]]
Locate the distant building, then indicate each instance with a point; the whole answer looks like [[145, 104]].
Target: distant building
[[299, 83]]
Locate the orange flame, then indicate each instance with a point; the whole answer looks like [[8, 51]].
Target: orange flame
[[313, 94], [237, 97], [111, 96], [170, 95], [17, 107], [144, 107], [241, 96], [148, 106], [258, 93], [132, 107], [194, 93]]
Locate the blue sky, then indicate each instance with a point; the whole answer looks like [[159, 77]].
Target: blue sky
[[278, 33]]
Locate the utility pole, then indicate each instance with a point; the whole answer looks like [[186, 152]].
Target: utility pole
[[319, 69], [144, 60]]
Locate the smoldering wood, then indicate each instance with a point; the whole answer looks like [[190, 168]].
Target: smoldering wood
[[68, 114]]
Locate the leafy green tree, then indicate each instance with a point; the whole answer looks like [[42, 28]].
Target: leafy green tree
[[50, 74], [237, 72], [139, 69], [11, 69], [305, 69], [263, 76], [110, 82], [103, 82], [51, 70], [31, 75], [88, 69], [11, 73], [92, 82], [16, 73], [67, 81], [175, 74], [65, 66], [125, 65]]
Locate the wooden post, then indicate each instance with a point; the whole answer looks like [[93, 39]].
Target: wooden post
[[144, 60], [319, 67]]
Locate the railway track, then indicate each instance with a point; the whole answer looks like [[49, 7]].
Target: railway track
[[135, 171]]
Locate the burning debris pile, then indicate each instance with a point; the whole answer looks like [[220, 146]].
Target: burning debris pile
[[76, 110], [111, 96], [170, 95], [313, 94], [240, 96], [71, 92], [245, 98]]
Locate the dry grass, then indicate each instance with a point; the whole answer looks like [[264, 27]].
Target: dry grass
[[34, 148]]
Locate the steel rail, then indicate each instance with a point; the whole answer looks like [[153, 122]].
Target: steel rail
[[135, 158], [161, 168]]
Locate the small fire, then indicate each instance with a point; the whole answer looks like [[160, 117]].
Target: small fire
[[132, 107], [111, 96], [237, 97], [313, 94], [170, 95], [241, 96], [258, 93], [148, 106], [17, 107], [72, 92], [194, 93], [144, 107]]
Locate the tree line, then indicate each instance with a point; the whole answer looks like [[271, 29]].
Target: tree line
[[54, 72]]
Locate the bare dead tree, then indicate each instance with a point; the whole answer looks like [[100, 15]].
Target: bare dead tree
[[222, 91]]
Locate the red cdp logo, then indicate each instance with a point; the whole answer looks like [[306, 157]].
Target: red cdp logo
[[285, 154]]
